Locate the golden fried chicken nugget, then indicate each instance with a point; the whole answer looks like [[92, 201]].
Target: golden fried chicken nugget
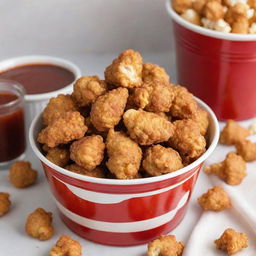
[[21, 174], [124, 155], [247, 150], [71, 126], [88, 152], [98, 172], [180, 6], [39, 224], [159, 160], [165, 246], [213, 10], [232, 170], [233, 133], [236, 12], [87, 89], [58, 156], [154, 73], [202, 119], [66, 246], [187, 139], [58, 106], [126, 70], [198, 6], [108, 109], [241, 26], [5, 203], [147, 128], [183, 105], [216, 199], [232, 241], [154, 97]]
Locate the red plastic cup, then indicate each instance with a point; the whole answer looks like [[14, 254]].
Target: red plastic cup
[[219, 68], [122, 212]]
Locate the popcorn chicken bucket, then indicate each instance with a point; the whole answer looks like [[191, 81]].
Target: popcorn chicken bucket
[[217, 67], [122, 212]]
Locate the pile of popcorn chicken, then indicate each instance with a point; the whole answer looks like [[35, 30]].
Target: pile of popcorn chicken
[[133, 124], [229, 16]]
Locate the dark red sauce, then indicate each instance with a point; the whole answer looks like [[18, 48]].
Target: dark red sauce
[[39, 78], [12, 130]]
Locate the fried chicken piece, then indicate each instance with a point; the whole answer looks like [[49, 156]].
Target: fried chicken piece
[[241, 26], [192, 16], [165, 246], [154, 97], [198, 6], [88, 152], [216, 199], [213, 10], [97, 172], [183, 105], [57, 107], [202, 120], [236, 12], [66, 246], [39, 224], [154, 73], [71, 126], [58, 156], [232, 170], [147, 128], [87, 89], [187, 139], [233, 133], [232, 241], [159, 160], [126, 70], [124, 155], [22, 175], [247, 150], [108, 109], [180, 6], [5, 203]]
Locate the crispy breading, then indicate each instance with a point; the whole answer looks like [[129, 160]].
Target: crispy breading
[[21, 174], [71, 126], [97, 172], [192, 16], [58, 156], [108, 109], [57, 107], [233, 133], [160, 160], [213, 10], [88, 152], [66, 246], [147, 128], [124, 155], [198, 6], [241, 26], [216, 199], [236, 12], [202, 119], [126, 70], [232, 241], [5, 203], [232, 170], [87, 89], [154, 73], [165, 246], [39, 224], [180, 6], [247, 150]]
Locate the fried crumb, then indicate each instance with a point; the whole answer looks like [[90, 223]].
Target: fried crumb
[[5, 203]]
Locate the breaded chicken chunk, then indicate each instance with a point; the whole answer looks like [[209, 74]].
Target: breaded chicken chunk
[[213, 10], [97, 172], [183, 105], [233, 133], [126, 70], [202, 119], [147, 128], [108, 109], [165, 246], [87, 89], [58, 106], [247, 150], [154, 73], [124, 155], [66, 246], [232, 241], [58, 156], [187, 139], [39, 224], [232, 170], [5, 203], [88, 152], [216, 199], [21, 174], [159, 160], [180, 6], [71, 126], [154, 97]]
